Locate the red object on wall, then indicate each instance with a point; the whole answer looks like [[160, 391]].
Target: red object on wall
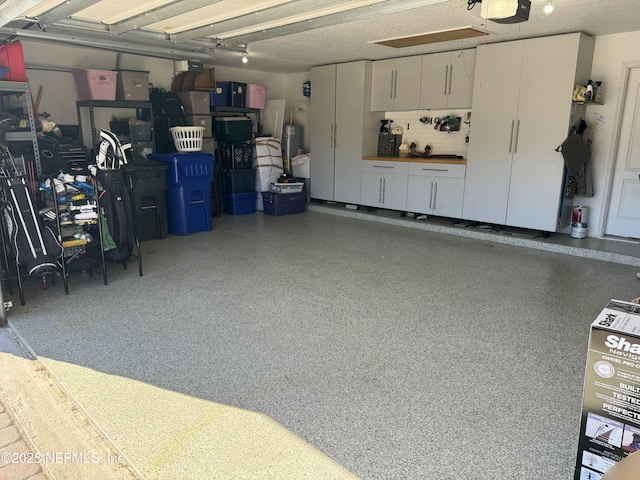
[[11, 57]]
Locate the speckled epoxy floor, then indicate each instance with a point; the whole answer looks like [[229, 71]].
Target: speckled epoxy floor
[[399, 353]]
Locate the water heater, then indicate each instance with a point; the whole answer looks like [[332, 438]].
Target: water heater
[[292, 140]]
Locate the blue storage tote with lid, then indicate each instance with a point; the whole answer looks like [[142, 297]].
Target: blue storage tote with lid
[[189, 177], [220, 95], [283, 203], [240, 203]]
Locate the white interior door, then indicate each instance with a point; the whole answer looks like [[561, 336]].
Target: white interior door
[[273, 118], [623, 216]]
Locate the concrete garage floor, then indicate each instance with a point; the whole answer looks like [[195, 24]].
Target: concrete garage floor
[[320, 346]]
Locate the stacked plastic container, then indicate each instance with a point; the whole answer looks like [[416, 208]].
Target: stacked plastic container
[[238, 178], [235, 153]]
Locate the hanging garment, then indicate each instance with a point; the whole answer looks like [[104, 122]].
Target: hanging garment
[[577, 156]]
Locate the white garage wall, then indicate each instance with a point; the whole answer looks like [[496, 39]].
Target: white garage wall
[[610, 53], [59, 94]]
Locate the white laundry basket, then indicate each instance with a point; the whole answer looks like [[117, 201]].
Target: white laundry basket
[[187, 139]]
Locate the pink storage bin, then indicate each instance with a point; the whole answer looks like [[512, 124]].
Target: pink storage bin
[[256, 96], [96, 84]]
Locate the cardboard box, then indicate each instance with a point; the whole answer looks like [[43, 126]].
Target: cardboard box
[[610, 422], [132, 85], [195, 102]]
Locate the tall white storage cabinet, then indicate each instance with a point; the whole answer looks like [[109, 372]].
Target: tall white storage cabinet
[[522, 110], [343, 130]]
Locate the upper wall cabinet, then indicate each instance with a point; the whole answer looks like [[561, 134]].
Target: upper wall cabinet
[[396, 84], [447, 80]]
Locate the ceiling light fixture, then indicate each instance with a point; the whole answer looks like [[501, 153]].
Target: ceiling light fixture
[[245, 59], [548, 8]]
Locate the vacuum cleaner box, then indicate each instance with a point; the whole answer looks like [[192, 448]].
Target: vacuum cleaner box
[[610, 423]]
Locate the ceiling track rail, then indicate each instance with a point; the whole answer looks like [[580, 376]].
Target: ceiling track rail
[[86, 28], [122, 45]]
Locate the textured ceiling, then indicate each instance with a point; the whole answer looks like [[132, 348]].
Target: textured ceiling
[[274, 48]]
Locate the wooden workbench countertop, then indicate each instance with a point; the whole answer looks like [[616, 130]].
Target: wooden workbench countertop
[[419, 160]]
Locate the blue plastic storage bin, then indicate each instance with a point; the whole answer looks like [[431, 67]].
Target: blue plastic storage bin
[[186, 167], [189, 178], [240, 203], [284, 203], [220, 96]]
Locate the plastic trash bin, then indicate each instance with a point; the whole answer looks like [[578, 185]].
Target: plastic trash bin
[[189, 176]]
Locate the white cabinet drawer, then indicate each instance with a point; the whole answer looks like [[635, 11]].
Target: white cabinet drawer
[[437, 169], [382, 166]]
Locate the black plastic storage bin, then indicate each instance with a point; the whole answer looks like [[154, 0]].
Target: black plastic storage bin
[[236, 94], [237, 129], [235, 154], [283, 203], [147, 185], [238, 180]]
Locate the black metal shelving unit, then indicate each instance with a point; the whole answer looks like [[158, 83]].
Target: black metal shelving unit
[[92, 105], [30, 135]]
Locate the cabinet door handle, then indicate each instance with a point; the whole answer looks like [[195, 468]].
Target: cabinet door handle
[[335, 135], [435, 169], [450, 77], [384, 187], [395, 84], [331, 131], [431, 197], [511, 136], [391, 86], [435, 195], [382, 166], [446, 78], [515, 149], [380, 191]]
